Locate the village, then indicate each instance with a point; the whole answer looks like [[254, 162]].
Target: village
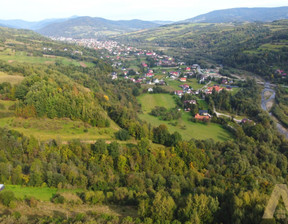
[[153, 69]]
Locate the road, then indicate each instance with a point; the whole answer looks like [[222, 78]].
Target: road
[[225, 115], [267, 87]]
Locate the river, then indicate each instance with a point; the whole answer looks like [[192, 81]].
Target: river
[[267, 87]]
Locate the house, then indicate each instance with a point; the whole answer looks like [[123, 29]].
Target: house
[[178, 92], [203, 112], [150, 54], [156, 81], [184, 86], [215, 87], [224, 81], [174, 74], [162, 82], [183, 79], [202, 117], [246, 120], [190, 102], [150, 90], [188, 69], [149, 75], [2, 187]]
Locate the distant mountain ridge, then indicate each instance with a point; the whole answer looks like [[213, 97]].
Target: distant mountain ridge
[[81, 27], [242, 15], [22, 24]]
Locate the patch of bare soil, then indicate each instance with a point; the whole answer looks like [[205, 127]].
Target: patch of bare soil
[[269, 105], [267, 95], [49, 62], [83, 64]]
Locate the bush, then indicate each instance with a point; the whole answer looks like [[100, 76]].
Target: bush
[[58, 199], [7, 198], [122, 135], [31, 202]]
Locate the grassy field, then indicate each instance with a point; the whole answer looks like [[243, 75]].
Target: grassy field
[[174, 84], [190, 129], [149, 101], [59, 129], [46, 208], [40, 193], [23, 57], [186, 128], [13, 79]]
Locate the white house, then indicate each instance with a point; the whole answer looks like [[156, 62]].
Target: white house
[[1, 187]]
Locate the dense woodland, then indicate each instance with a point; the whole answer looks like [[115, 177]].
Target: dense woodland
[[166, 179]]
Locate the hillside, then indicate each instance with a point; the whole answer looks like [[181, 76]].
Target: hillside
[[73, 149], [242, 15], [88, 27], [253, 46]]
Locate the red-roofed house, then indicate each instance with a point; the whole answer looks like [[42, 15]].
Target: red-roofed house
[[216, 88], [149, 75], [178, 92], [202, 117], [183, 79]]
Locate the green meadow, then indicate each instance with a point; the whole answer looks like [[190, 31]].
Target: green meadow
[[40, 193], [184, 126]]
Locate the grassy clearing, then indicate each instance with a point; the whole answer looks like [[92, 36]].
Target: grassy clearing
[[174, 84], [23, 57], [46, 208], [185, 127], [40, 193], [149, 101], [13, 79], [6, 104], [59, 129], [190, 129]]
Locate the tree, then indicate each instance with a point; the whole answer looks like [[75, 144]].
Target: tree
[[163, 207]]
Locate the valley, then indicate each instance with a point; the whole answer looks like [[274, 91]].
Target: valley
[[131, 122]]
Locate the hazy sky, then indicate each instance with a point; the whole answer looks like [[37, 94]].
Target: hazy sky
[[34, 10]]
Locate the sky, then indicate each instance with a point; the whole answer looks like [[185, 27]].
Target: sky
[[172, 10]]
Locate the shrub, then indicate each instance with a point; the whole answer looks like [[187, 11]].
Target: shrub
[[7, 198], [58, 199], [122, 135]]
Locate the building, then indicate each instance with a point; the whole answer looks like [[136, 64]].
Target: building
[[202, 117], [2, 187], [183, 79], [190, 102]]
